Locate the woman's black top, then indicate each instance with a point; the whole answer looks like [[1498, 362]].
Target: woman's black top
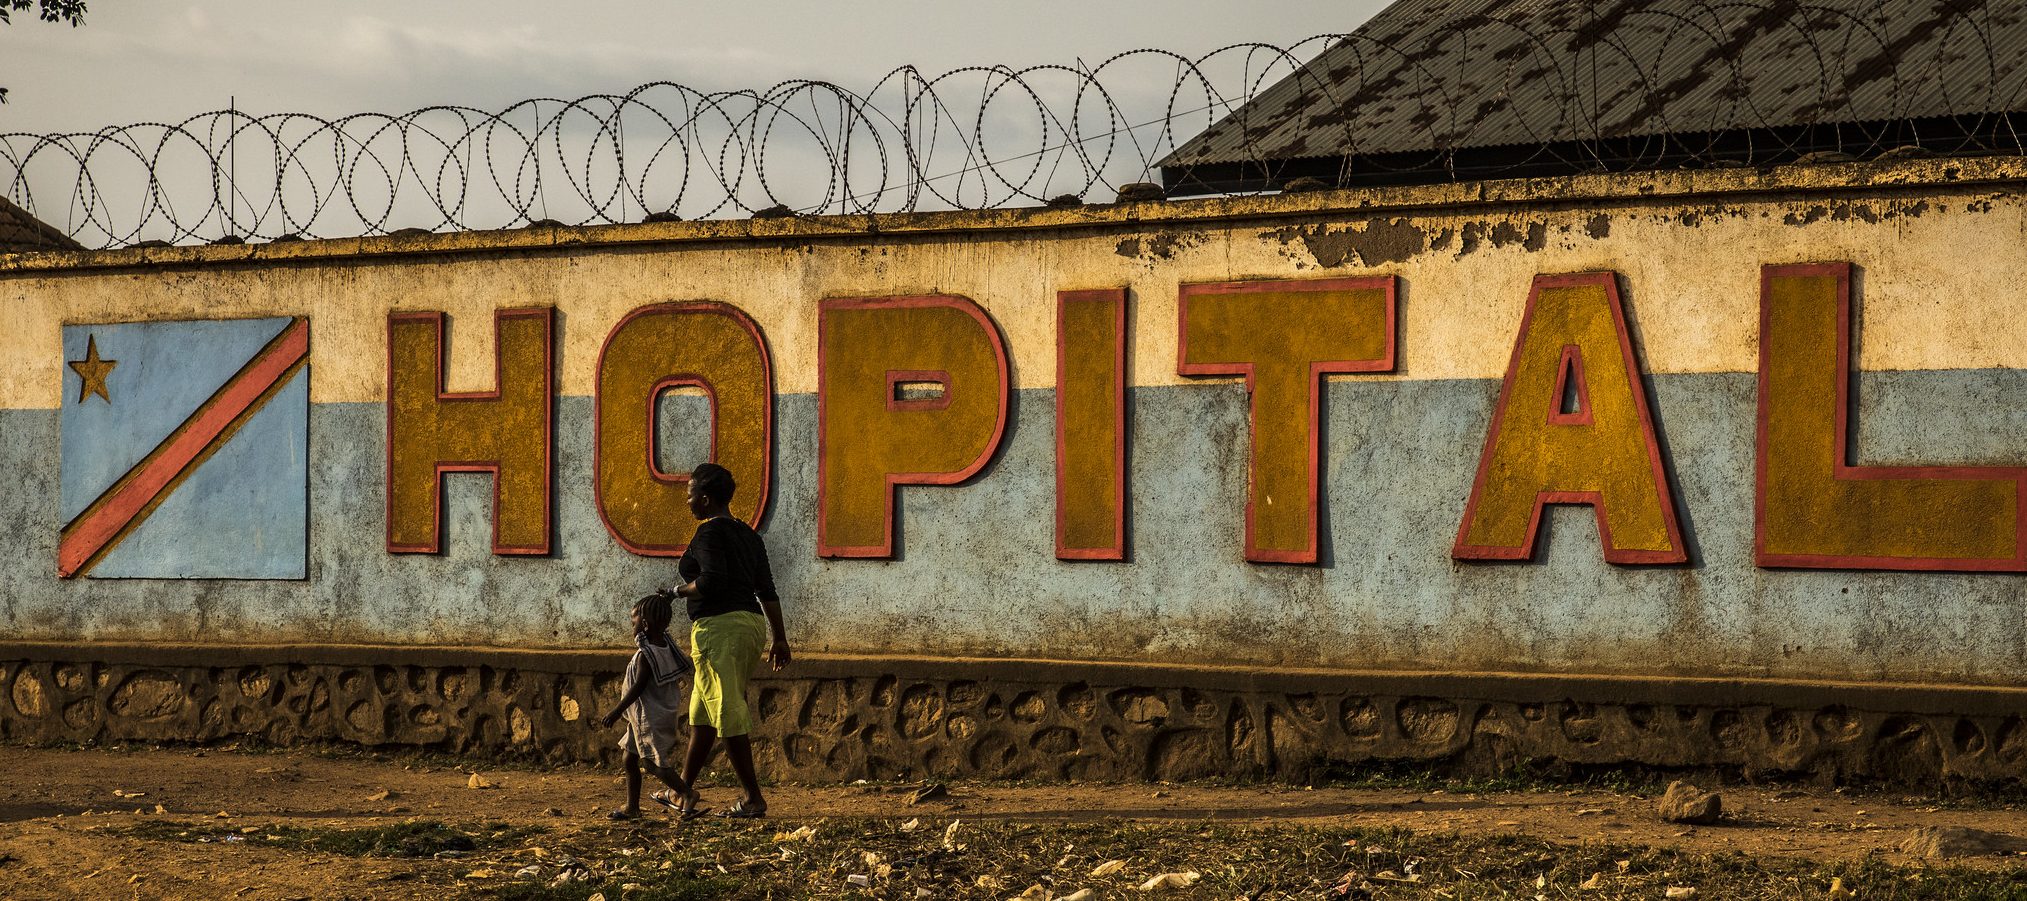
[[729, 564]]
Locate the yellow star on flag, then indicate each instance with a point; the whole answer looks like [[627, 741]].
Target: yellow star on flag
[[93, 371]]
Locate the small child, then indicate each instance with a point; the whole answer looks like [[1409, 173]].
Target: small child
[[651, 704]]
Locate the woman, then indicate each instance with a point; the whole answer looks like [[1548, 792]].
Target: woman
[[733, 611]]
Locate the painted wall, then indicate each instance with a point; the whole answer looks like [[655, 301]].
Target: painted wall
[[1938, 260]]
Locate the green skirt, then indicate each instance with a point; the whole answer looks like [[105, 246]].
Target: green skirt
[[728, 648]]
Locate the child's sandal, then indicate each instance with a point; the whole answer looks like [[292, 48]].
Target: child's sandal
[[621, 815]]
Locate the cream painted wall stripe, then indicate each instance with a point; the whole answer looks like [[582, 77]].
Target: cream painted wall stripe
[[1941, 290]]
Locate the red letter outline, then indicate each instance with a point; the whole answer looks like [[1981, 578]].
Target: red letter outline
[[896, 479], [681, 380], [1317, 369], [1117, 551], [1843, 469], [1595, 499], [492, 467]]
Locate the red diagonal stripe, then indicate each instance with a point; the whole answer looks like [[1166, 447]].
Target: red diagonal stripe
[[136, 492]]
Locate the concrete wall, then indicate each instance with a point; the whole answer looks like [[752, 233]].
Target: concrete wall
[[842, 718], [1940, 256]]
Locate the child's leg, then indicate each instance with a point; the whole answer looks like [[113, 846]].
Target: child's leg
[[739, 751], [672, 779], [632, 782]]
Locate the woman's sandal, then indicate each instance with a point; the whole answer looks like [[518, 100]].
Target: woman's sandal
[[621, 815], [682, 808], [744, 810]]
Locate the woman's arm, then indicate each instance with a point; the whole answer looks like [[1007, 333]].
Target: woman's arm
[[777, 654], [770, 603]]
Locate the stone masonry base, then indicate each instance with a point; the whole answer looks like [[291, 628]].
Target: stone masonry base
[[834, 718]]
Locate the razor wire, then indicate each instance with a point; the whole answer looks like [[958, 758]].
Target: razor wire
[[970, 138], [978, 137]]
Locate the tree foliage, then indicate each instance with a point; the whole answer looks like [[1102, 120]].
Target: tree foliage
[[60, 11], [71, 11]]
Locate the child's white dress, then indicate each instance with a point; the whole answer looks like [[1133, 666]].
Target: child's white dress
[[652, 720]]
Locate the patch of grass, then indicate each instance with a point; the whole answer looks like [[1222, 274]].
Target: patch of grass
[[999, 859], [665, 888], [417, 839]]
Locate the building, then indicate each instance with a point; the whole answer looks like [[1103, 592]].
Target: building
[[22, 233], [1432, 91], [1597, 468]]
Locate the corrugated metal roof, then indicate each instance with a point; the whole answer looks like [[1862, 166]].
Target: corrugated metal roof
[[20, 232], [1440, 75]]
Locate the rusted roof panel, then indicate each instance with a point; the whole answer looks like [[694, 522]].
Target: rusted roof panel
[[21, 233], [1441, 75]]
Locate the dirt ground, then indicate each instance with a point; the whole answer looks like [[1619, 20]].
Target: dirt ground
[[68, 817]]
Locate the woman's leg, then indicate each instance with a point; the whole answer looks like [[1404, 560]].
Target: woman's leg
[[701, 740], [739, 751]]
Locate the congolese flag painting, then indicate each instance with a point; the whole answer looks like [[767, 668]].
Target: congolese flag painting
[[185, 450]]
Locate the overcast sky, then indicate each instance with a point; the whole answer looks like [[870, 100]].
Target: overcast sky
[[163, 61], [159, 60]]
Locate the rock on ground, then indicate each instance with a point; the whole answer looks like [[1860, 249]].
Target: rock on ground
[[1685, 803], [1958, 841]]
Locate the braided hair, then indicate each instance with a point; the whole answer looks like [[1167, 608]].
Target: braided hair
[[655, 613]]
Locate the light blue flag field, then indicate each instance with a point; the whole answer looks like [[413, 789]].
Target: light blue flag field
[[185, 450]]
